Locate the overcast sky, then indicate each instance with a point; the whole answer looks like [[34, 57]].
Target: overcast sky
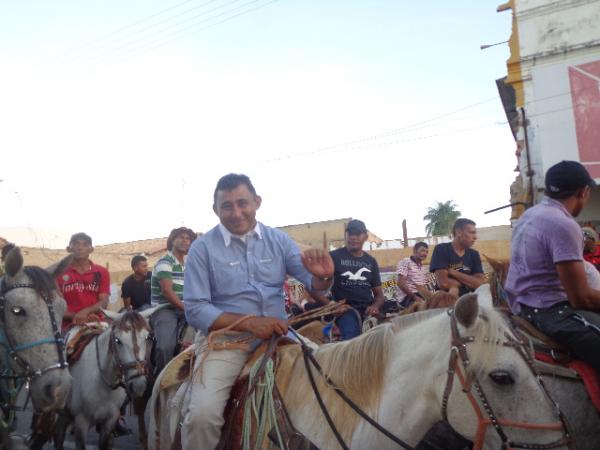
[[117, 117]]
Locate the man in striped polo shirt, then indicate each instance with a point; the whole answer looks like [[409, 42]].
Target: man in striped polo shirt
[[166, 286], [412, 275]]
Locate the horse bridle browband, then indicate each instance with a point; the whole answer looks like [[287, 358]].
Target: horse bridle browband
[[123, 378], [469, 379], [27, 372], [458, 350]]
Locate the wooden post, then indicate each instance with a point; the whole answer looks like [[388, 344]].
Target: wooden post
[[404, 233], [325, 246]]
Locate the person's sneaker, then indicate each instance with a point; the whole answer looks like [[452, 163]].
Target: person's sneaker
[[121, 428]]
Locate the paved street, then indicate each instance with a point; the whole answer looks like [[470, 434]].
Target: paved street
[[129, 442]]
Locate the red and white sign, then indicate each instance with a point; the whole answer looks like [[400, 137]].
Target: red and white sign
[[585, 94]]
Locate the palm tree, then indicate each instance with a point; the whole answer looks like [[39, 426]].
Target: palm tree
[[440, 218]]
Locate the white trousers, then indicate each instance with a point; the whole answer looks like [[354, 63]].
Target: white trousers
[[208, 395]]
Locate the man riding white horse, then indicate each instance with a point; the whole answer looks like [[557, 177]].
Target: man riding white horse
[[546, 282], [235, 270]]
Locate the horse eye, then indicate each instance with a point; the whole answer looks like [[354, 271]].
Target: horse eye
[[118, 341], [18, 311], [502, 378]]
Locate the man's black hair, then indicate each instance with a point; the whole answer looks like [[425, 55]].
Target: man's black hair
[[460, 224], [7, 248], [80, 237], [418, 245], [230, 181], [176, 232], [137, 259]]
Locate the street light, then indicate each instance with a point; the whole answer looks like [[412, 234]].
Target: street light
[[484, 46]]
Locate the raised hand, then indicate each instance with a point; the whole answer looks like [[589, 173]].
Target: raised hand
[[318, 262]]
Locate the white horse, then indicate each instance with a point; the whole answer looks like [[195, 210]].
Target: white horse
[[408, 375], [111, 367], [31, 346]]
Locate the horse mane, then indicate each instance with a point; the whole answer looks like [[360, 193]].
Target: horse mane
[[131, 320], [357, 366], [41, 280]]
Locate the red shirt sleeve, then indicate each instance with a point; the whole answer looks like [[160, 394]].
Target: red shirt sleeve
[[104, 282]]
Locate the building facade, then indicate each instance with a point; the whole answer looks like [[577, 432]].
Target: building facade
[[551, 93]]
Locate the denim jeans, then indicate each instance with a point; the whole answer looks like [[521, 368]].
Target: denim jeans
[[350, 324], [576, 329]]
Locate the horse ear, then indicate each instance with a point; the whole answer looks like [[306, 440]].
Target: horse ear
[[466, 310], [484, 295], [58, 268], [13, 262], [146, 313], [112, 315]]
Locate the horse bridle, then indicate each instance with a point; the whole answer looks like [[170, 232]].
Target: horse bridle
[[26, 371], [469, 378], [122, 378], [458, 351]]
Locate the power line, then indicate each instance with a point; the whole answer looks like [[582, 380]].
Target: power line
[[131, 25], [150, 46], [330, 150], [154, 33]]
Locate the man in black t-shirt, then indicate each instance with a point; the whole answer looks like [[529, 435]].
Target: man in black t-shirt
[[457, 267], [135, 290], [356, 279]]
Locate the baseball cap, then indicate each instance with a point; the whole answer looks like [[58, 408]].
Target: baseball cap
[[589, 233], [356, 226], [566, 177]]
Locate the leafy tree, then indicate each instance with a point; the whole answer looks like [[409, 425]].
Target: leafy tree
[[440, 218]]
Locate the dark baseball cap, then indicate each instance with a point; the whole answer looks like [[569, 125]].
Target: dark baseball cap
[[356, 226], [564, 178]]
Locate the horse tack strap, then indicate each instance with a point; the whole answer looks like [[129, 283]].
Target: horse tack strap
[[459, 349]]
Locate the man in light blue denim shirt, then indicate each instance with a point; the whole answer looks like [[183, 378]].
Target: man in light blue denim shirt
[[237, 269]]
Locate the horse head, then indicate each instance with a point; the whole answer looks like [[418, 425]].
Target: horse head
[[492, 393], [131, 344], [31, 346]]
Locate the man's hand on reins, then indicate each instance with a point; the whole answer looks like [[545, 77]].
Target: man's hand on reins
[[265, 327]]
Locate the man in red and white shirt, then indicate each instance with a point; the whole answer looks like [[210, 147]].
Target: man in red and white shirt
[[591, 251], [412, 275], [85, 286]]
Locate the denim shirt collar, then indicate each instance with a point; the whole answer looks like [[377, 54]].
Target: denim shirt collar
[[227, 235]]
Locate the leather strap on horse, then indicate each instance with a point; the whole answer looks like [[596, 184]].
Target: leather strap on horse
[[469, 379], [308, 357]]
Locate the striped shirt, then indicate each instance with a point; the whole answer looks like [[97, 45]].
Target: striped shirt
[[416, 275], [166, 268]]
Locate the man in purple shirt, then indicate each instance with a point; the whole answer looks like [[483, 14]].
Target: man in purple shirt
[[546, 282]]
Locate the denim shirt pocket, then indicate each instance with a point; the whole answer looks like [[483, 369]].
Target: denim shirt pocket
[[228, 276], [270, 270]]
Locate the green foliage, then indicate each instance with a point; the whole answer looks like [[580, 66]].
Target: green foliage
[[440, 218]]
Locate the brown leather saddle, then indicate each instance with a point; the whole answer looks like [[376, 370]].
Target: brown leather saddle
[[231, 434], [80, 340]]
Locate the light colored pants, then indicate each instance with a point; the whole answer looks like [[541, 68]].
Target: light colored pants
[[208, 395]]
